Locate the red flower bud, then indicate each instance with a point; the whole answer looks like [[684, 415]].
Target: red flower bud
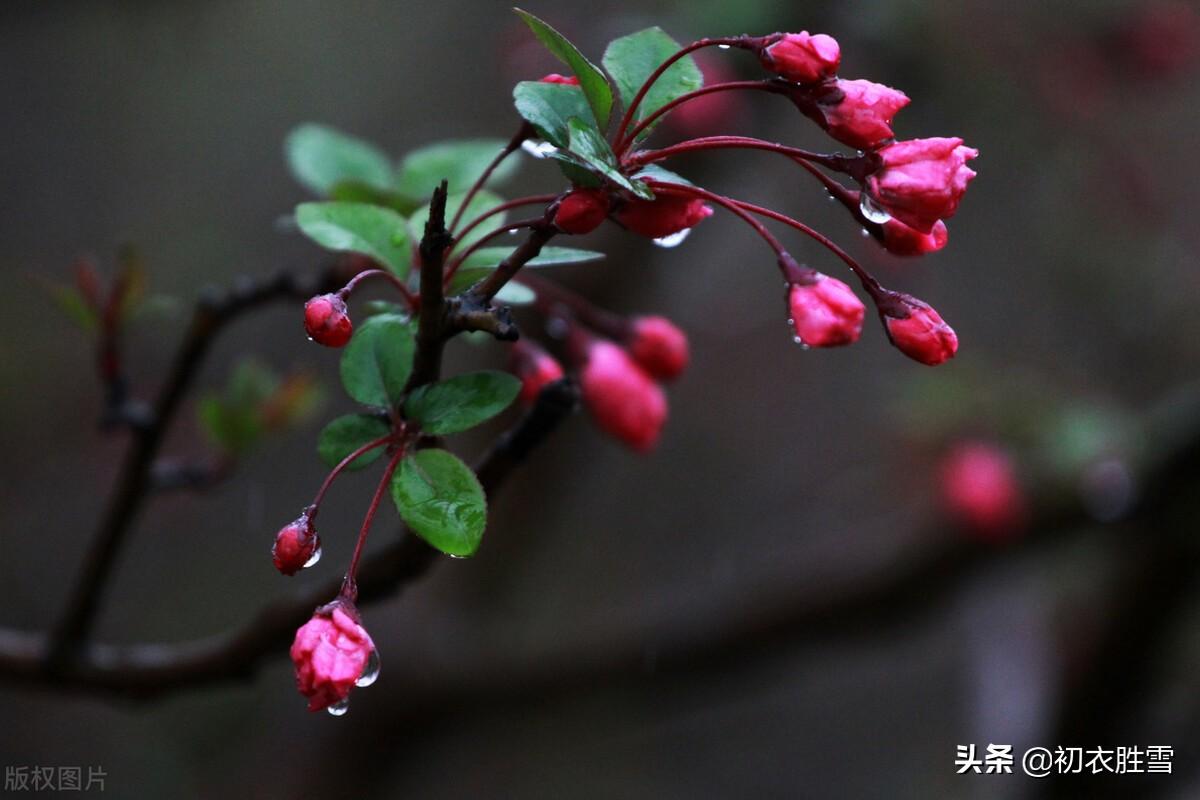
[[566, 80], [862, 117], [922, 180], [802, 58], [327, 320], [825, 313], [535, 367], [581, 211], [922, 335], [296, 546], [901, 240], [332, 653], [623, 400], [658, 346], [664, 215], [980, 490]]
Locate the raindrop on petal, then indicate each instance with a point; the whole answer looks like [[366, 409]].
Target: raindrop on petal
[[313, 559], [370, 672], [674, 240], [872, 211], [340, 707], [538, 149]]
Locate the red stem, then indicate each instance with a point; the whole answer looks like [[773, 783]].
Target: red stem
[[312, 510], [834, 161], [624, 144], [530, 200], [492, 234], [349, 586], [409, 297], [515, 142]]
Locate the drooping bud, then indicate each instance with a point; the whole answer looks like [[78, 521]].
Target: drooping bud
[[859, 113], [332, 653], [979, 490], [922, 180], [566, 80], [581, 211], [802, 58], [825, 312], [535, 367], [658, 346], [623, 400], [917, 330], [901, 240], [296, 546], [664, 215], [327, 320]]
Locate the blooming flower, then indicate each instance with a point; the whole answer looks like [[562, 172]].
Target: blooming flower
[[922, 335], [802, 57], [623, 400], [327, 321], [658, 346], [664, 215], [331, 651], [862, 117], [922, 180], [825, 312]]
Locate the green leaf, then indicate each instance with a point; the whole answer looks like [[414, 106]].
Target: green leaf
[[358, 228], [485, 259], [548, 106], [320, 157], [657, 173], [459, 162], [480, 203], [591, 80], [376, 364], [516, 294], [587, 143], [71, 302], [233, 429], [631, 59], [344, 435], [440, 499], [359, 192], [462, 402]]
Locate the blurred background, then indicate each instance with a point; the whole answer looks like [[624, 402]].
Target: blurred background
[[813, 603]]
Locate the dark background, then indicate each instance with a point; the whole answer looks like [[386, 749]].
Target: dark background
[[1070, 277]]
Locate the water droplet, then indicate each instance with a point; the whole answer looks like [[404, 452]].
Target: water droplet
[[724, 46], [830, 197], [452, 555], [313, 559], [537, 148], [801, 342], [674, 240], [872, 211], [865, 233], [791, 322], [370, 672], [340, 707]]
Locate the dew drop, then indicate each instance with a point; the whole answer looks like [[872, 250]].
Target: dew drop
[[538, 149], [340, 707], [724, 46], [872, 211], [865, 233], [452, 555], [313, 559], [370, 672], [801, 342], [674, 240]]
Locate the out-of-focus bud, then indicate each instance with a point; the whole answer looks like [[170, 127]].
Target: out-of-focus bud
[[535, 367], [566, 80], [581, 211], [658, 346], [979, 490], [802, 57], [623, 400], [825, 312], [327, 320]]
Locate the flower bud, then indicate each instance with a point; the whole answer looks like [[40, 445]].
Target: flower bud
[[535, 367], [979, 489], [921, 334], [581, 211], [327, 320], [802, 58], [922, 180], [664, 215], [658, 346], [623, 400], [859, 113], [331, 653], [825, 312], [901, 240], [565, 80], [296, 546]]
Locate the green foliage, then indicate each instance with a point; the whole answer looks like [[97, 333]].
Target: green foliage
[[587, 143], [485, 259], [548, 107], [481, 202], [591, 80], [358, 228], [254, 402], [344, 435], [631, 59], [462, 402], [441, 500], [378, 360], [321, 157], [459, 162]]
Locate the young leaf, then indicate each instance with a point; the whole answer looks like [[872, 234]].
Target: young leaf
[[461, 402], [358, 228], [587, 143], [344, 435], [548, 106], [459, 162], [440, 499], [657, 173], [480, 203], [591, 80], [631, 59], [376, 364], [232, 428], [320, 157], [359, 192]]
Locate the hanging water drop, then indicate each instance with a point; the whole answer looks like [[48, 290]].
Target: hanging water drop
[[872, 211], [340, 707], [798, 340], [724, 46], [538, 149], [674, 240], [314, 558], [865, 233], [370, 672]]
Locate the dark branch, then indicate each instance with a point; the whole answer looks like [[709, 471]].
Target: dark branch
[[431, 324]]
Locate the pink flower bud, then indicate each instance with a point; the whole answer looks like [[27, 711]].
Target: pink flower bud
[[922, 180], [581, 211], [566, 80], [979, 489], [803, 58], [623, 400], [331, 652], [296, 546], [664, 215], [901, 240], [825, 312], [922, 335], [659, 347], [535, 367], [862, 117], [327, 320]]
